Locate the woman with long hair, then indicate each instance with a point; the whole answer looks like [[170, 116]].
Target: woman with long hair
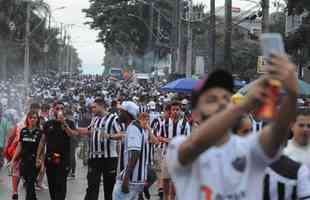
[[26, 150]]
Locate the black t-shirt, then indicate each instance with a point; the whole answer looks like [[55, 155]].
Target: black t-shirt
[[30, 140], [57, 140]]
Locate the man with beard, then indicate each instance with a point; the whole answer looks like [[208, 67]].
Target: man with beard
[[214, 164], [56, 138], [104, 131]]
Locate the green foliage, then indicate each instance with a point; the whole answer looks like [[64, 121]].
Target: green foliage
[[127, 23], [12, 33]]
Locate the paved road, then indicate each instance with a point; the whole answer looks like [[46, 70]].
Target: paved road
[[76, 188]]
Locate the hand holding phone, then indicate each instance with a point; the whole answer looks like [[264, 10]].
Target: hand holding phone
[[272, 43]]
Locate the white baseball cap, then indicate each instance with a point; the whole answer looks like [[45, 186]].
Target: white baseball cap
[[130, 107], [152, 105]]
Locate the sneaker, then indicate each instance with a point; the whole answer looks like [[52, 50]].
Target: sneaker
[[161, 193], [147, 193], [15, 197]]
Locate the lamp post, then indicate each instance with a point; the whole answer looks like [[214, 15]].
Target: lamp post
[[26, 55]]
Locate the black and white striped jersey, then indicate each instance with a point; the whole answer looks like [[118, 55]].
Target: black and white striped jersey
[[96, 147], [154, 116], [136, 139], [170, 129], [111, 126], [155, 125], [143, 108], [287, 180]]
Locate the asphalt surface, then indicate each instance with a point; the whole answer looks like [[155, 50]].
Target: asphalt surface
[[76, 188]]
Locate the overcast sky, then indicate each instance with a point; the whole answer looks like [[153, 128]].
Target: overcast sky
[[84, 39]]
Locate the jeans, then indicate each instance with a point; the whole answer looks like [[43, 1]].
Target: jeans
[[119, 195]]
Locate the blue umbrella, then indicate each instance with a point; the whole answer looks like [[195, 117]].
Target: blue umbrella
[[239, 83], [180, 85], [187, 85]]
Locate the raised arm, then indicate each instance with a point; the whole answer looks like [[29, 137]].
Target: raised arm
[[210, 132], [276, 134]]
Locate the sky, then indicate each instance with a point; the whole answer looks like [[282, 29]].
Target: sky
[[84, 39]]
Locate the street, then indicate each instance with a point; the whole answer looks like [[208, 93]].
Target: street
[[76, 187]]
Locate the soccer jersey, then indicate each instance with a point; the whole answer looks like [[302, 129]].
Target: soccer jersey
[[287, 180], [234, 170], [136, 139]]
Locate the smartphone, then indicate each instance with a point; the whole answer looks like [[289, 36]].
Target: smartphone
[[272, 43]]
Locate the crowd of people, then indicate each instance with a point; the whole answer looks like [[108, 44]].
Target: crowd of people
[[133, 137]]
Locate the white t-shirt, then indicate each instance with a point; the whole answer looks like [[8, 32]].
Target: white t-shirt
[[135, 140], [233, 171], [298, 153]]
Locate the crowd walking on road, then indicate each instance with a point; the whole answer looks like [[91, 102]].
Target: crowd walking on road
[[135, 139]]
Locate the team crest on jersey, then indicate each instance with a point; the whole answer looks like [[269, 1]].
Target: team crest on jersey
[[239, 164]]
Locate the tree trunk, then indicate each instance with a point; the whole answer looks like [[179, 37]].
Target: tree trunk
[[265, 20], [212, 38]]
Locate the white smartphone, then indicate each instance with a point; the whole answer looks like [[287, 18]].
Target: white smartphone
[[272, 43]]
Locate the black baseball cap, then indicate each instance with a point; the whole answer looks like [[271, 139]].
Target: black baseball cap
[[219, 78]]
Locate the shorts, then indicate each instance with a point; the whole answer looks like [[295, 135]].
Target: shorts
[[16, 168], [164, 170]]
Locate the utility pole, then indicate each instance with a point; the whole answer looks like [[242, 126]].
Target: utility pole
[[60, 50], [189, 51], [265, 20], [68, 54], [158, 41], [174, 36], [64, 63], [228, 34], [212, 37], [26, 56], [179, 36], [150, 51]]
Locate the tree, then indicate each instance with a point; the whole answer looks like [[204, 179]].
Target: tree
[[12, 32], [124, 24]]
